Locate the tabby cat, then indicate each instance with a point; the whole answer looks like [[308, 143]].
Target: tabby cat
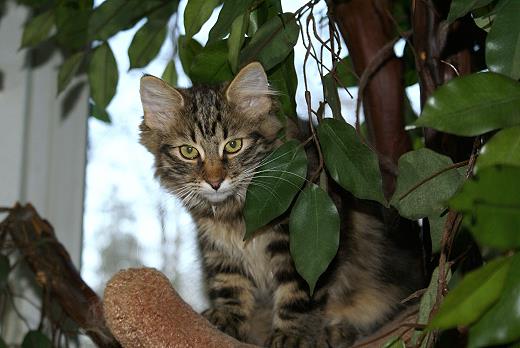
[[207, 142]]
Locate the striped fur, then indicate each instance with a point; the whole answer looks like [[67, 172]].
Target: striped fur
[[248, 280]]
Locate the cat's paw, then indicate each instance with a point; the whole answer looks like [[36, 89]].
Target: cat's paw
[[280, 339], [227, 322], [341, 335]]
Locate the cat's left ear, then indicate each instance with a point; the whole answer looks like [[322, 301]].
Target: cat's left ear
[[161, 102], [250, 91]]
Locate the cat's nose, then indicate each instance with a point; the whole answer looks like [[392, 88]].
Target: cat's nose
[[215, 183]]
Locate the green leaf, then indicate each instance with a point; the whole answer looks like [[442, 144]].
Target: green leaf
[[502, 148], [113, 16], [436, 228], [473, 105], [170, 74], [501, 324], [332, 96], [273, 41], [350, 162], [431, 197], [147, 43], [274, 185], [36, 339], [188, 50], [211, 65], [484, 22], [68, 69], [236, 39], [477, 291], [314, 233], [345, 76], [99, 113], [503, 41], [428, 300], [394, 342], [103, 75], [267, 10], [284, 80], [2, 343], [460, 8], [38, 29], [196, 13], [491, 206], [72, 19], [4, 269], [228, 13]]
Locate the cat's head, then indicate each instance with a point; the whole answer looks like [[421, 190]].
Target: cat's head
[[209, 140]]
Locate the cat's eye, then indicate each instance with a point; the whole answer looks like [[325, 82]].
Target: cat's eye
[[189, 152], [233, 146]]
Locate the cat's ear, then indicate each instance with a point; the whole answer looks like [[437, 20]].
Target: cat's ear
[[250, 91], [160, 102]]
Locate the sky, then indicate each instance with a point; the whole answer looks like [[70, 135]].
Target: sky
[[120, 169]]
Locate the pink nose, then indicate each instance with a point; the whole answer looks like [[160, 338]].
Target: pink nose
[[215, 183]]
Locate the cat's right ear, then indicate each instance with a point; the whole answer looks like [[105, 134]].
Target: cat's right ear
[[160, 102]]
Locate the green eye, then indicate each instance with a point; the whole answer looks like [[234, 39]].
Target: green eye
[[233, 146], [189, 152]]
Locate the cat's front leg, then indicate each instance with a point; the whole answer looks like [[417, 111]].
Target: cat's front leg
[[232, 301], [297, 321]]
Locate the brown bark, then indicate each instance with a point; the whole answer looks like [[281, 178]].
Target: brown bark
[[366, 28], [442, 53], [54, 271]]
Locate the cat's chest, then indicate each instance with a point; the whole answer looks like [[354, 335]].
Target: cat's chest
[[251, 255]]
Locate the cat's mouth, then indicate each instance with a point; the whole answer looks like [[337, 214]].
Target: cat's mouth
[[216, 196]]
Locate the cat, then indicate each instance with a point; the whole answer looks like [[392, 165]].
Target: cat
[[207, 142]]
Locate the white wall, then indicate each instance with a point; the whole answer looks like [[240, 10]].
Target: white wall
[[42, 154]]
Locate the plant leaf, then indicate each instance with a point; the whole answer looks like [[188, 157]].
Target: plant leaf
[[146, 43], [228, 13], [113, 16], [68, 69], [314, 233], [436, 228], [350, 162], [273, 188], [427, 302], [502, 148], [473, 105], [477, 291], [430, 198], [503, 40], [170, 73], [460, 8], [99, 113], [501, 324], [36, 339], [196, 13], [491, 206], [188, 50], [103, 75], [72, 20], [211, 65], [272, 42], [332, 96], [284, 80], [37, 29], [344, 72], [236, 39], [394, 342]]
